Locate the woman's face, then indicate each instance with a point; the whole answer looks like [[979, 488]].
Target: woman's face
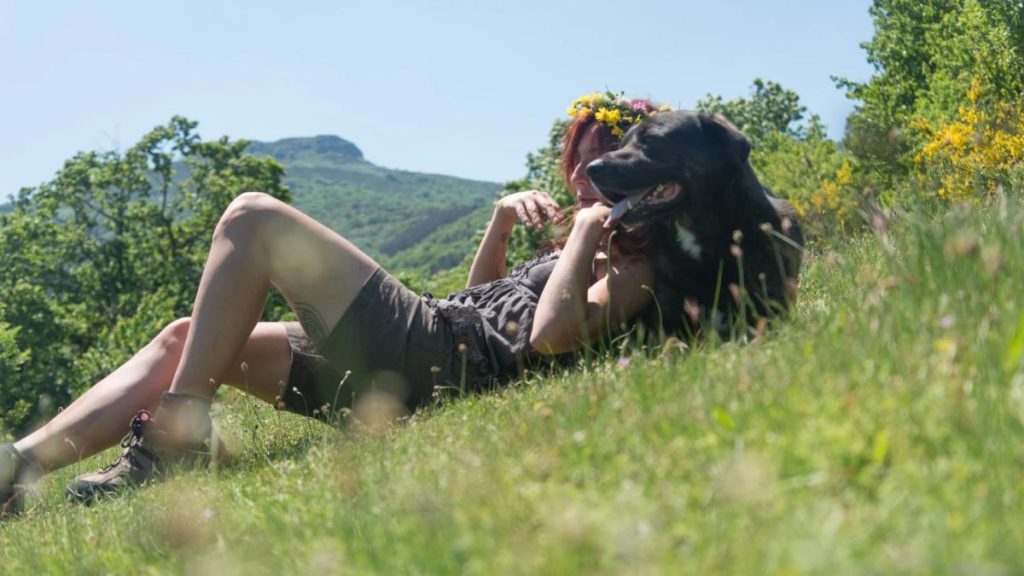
[[587, 150]]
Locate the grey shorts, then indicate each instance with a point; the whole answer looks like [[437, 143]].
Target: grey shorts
[[389, 341]]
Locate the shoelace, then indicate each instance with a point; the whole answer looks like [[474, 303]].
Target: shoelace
[[132, 441]]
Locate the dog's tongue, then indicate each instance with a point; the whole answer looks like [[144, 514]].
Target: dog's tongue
[[618, 211]]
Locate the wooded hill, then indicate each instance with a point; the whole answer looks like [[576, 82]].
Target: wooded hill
[[423, 223]]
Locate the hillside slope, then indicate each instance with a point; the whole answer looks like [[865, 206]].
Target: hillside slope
[[408, 221], [878, 431], [383, 211]]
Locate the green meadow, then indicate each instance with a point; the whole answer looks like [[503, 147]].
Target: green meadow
[[879, 430]]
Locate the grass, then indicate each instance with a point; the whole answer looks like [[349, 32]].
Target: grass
[[878, 431]]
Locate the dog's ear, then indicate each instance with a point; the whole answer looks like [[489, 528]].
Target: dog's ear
[[735, 142]]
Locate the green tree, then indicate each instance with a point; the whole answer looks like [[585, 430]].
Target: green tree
[[812, 172], [902, 55], [11, 360], [792, 156], [770, 109], [927, 54], [114, 240]]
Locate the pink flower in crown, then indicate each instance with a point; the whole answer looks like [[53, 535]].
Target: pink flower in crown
[[641, 106]]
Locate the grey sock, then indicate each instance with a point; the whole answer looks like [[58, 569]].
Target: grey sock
[[184, 418]]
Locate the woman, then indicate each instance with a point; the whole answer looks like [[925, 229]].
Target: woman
[[366, 326]]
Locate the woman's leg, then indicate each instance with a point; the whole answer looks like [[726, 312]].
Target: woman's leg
[[99, 418], [258, 242]]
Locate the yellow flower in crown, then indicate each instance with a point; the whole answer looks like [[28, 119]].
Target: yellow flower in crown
[[610, 117], [577, 113], [614, 110]]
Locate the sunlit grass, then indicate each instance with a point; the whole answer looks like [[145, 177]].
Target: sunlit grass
[[880, 430]]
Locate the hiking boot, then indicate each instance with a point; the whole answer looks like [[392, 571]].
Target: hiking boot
[[148, 453], [17, 470]]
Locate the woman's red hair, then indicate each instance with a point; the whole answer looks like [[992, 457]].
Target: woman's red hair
[[571, 142]]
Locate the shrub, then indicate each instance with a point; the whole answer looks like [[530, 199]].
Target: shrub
[[19, 400], [812, 172], [976, 154]]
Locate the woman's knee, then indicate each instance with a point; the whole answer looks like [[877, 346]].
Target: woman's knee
[[248, 214], [172, 337]]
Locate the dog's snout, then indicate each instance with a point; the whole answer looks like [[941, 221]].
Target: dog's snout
[[595, 168]]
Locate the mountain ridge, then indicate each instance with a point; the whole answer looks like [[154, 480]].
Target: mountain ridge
[[327, 146], [387, 212]]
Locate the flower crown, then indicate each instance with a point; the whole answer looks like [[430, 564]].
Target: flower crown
[[614, 110]]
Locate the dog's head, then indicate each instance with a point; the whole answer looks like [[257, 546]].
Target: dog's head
[[671, 162]]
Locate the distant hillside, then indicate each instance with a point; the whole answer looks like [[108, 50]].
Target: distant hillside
[[422, 223], [445, 247], [387, 213]]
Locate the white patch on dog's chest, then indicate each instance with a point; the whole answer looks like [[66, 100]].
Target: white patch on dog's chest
[[687, 241]]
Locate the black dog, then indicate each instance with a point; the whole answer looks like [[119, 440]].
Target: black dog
[[722, 246]]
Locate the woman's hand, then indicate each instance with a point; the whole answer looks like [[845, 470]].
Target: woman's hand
[[573, 309], [533, 208], [595, 215]]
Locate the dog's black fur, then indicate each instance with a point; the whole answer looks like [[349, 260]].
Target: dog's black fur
[[687, 176]]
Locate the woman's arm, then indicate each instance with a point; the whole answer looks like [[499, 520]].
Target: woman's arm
[[532, 208], [572, 312]]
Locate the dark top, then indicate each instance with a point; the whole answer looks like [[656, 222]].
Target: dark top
[[494, 320]]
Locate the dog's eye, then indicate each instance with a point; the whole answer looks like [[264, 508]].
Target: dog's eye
[[656, 135], [653, 139]]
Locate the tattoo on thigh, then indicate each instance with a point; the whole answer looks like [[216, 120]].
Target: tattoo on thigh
[[312, 323]]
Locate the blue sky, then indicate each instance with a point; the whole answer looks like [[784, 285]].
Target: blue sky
[[450, 86]]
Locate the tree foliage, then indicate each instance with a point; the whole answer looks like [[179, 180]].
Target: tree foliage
[[114, 240], [792, 156], [978, 154], [11, 361], [771, 109], [927, 56]]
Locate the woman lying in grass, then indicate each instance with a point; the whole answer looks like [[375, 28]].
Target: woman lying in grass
[[360, 332]]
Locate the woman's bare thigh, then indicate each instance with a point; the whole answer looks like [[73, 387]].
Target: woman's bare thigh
[[317, 270]]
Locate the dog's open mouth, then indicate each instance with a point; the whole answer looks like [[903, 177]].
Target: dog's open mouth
[[653, 196]]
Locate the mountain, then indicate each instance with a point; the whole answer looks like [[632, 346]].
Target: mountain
[[406, 220]]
